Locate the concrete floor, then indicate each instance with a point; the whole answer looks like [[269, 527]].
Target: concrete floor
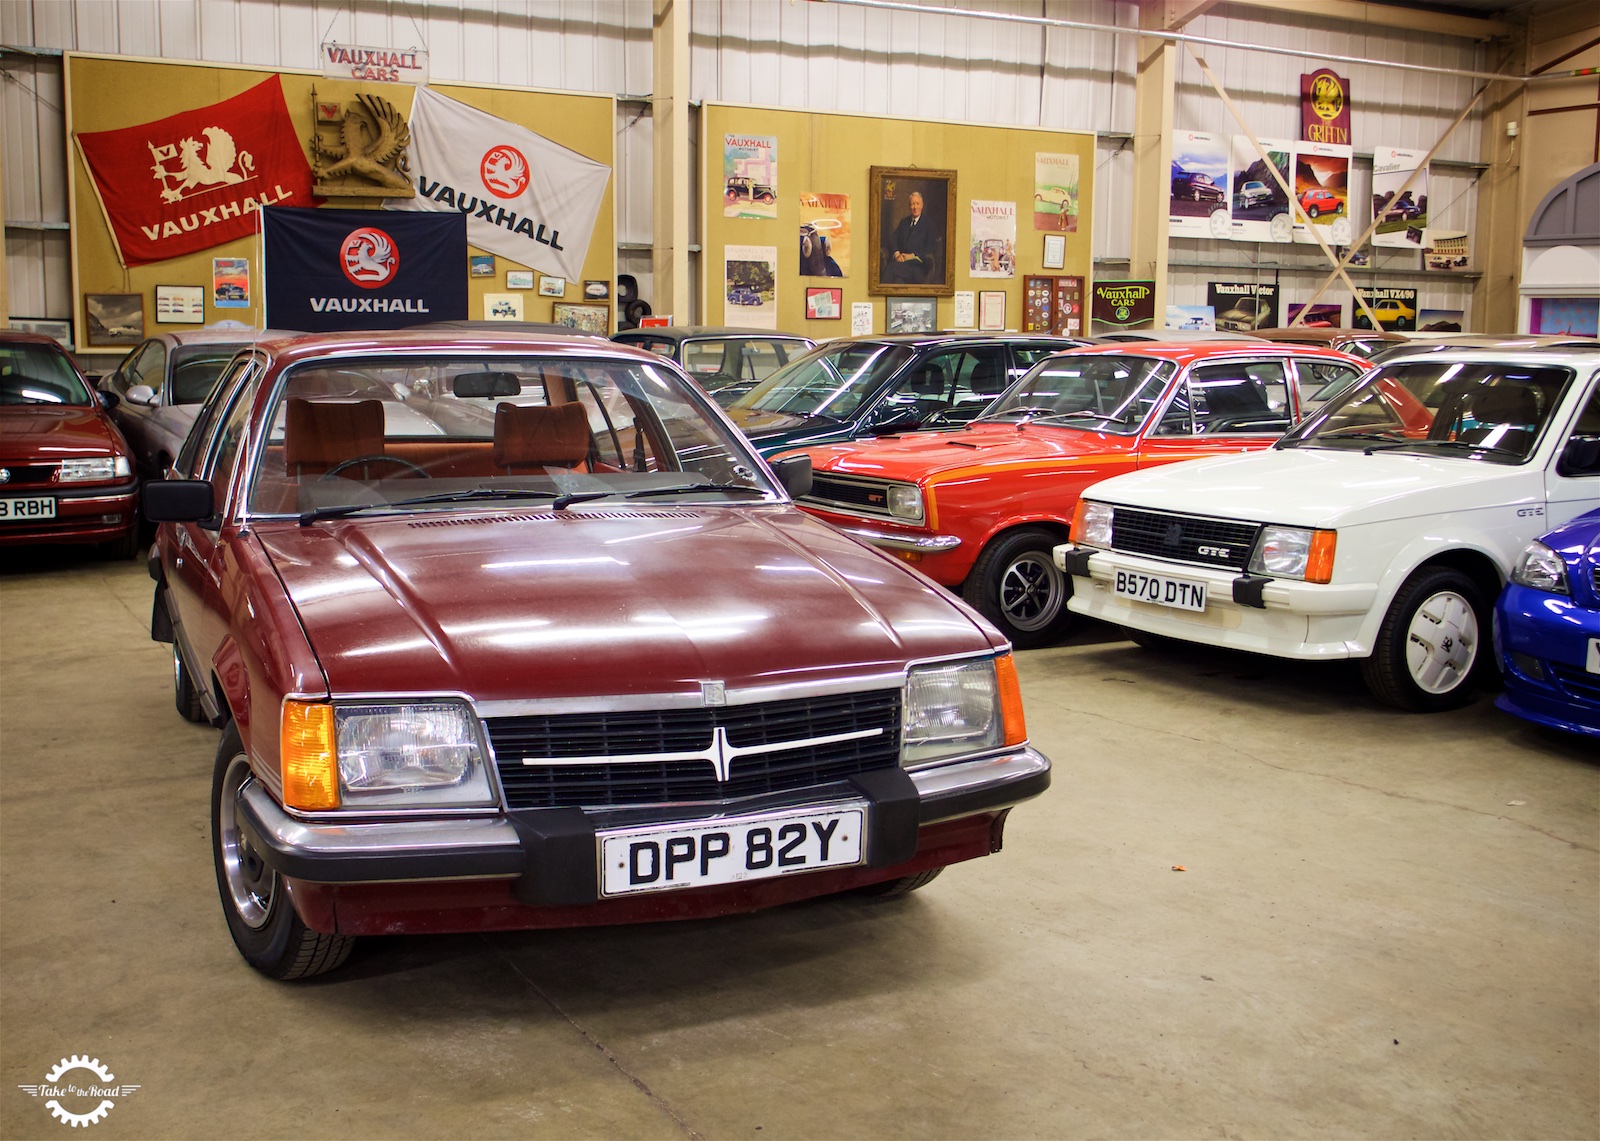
[[1389, 926]]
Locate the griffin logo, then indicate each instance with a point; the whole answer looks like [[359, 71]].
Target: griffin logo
[[199, 167], [369, 258], [1173, 535], [504, 171]]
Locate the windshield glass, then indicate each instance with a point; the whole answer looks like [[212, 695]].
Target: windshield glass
[[375, 433], [830, 381], [39, 374], [1106, 393], [1493, 412], [194, 373]]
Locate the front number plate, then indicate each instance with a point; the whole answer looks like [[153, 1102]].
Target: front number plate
[[1593, 664], [729, 851], [1163, 590], [30, 507]]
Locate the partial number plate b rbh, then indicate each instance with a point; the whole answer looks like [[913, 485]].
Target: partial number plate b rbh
[[731, 850], [27, 507], [1161, 589]]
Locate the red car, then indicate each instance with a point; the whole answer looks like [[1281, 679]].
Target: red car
[[66, 474], [979, 509], [1317, 201], [517, 631]]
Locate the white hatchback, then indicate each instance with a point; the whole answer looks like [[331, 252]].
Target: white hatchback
[[1382, 528]]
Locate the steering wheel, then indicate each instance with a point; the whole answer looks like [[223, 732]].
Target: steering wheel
[[338, 469]]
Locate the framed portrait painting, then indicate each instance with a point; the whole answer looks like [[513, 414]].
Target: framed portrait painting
[[912, 231]]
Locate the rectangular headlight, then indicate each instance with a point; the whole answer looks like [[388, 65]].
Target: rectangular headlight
[[950, 710], [1294, 552], [410, 756], [905, 502], [1091, 524], [94, 468]]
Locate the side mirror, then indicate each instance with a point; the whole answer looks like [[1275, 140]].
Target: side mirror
[[141, 394], [794, 472], [1580, 456], [108, 400], [177, 500]]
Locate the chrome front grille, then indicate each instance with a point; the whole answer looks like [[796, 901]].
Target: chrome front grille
[[1184, 538], [643, 757]]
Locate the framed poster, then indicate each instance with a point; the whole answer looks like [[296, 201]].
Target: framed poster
[[181, 304], [1068, 305], [586, 318], [58, 329], [824, 303], [1055, 251], [552, 286], [502, 307], [114, 318], [1038, 297], [480, 265], [912, 231], [912, 315], [992, 310], [519, 279]]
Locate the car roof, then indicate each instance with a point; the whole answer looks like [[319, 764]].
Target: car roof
[[242, 336], [684, 332], [1576, 355], [1184, 351], [948, 337], [1318, 335], [1484, 342], [18, 336], [1156, 336], [299, 347]]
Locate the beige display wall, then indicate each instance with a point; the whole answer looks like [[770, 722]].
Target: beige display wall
[[108, 92], [824, 153]]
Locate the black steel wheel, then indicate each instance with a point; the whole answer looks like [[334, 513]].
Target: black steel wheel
[[1016, 585]]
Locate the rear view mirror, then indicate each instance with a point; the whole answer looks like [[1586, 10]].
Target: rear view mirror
[[794, 473], [176, 500], [1580, 456], [487, 384]]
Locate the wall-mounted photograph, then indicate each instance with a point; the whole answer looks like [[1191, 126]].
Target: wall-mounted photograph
[[912, 315], [588, 318], [114, 318], [824, 303], [913, 230]]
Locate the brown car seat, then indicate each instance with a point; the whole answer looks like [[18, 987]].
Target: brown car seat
[[541, 435]]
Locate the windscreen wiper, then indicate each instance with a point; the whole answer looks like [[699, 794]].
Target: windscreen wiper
[[653, 491], [1485, 449], [1385, 437], [560, 501]]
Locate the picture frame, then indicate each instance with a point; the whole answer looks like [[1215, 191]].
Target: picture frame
[[911, 315], [519, 279], [992, 310], [915, 209], [480, 265], [585, 318], [824, 303], [552, 286], [1055, 251], [181, 304], [502, 307], [113, 320], [58, 329], [597, 291]]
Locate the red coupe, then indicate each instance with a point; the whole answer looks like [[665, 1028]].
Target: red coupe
[[66, 475]]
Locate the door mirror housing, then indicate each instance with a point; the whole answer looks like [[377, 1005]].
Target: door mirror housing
[[794, 472], [141, 394], [177, 500]]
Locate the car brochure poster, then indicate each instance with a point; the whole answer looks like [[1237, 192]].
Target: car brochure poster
[[824, 235], [1445, 249], [1322, 183], [502, 307], [230, 283], [1441, 320], [861, 318], [1124, 303], [993, 252], [1325, 107], [1395, 309], [1260, 208], [750, 279], [1243, 306], [1323, 315], [181, 304], [750, 176], [1192, 318], [1055, 192], [1401, 217], [1198, 207]]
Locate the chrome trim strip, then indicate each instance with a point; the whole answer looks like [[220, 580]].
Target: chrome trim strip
[[409, 837], [720, 755], [928, 545], [690, 699]]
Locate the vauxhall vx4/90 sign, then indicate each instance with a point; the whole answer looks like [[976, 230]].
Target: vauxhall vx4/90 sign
[[332, 270]]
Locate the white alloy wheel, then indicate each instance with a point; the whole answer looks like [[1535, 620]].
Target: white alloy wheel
[[1442, 642]]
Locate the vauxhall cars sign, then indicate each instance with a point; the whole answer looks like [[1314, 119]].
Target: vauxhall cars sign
[[524, 197], [331, 270], [195, 179]]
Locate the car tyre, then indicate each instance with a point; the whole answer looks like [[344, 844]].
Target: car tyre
[[123, 549], [1015, 584], [905, 885], [1432, 644], [185, 694], [1313, 211], [1155, 643], [260, 917]]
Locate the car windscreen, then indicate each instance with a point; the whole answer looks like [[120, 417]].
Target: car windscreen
[[421, 433], [1103, 393], [39, 374], [194, 372], [1479, 411], [828, 381]]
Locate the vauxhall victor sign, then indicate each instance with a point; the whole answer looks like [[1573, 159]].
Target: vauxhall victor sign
[[524, 197], [332, 270]]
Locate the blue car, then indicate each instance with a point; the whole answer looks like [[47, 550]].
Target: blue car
[[1547, 630]]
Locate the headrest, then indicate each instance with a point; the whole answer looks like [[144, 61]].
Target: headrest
[[927, 381], [321, 433], [1505, 404], [540, 435], [987, 378]]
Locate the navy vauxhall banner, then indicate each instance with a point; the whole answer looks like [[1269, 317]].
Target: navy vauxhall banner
[[338, 270]]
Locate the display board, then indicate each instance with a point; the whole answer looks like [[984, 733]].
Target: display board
[[796, 200], [106, 93]]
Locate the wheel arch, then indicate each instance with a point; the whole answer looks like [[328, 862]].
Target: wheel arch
[[1050, 523], [1472, 560]]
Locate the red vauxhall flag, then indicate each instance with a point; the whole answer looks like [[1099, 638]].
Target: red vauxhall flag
[[195, 179]]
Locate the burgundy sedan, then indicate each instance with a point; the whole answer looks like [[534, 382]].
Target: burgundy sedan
[[66, 475], [516, 631]]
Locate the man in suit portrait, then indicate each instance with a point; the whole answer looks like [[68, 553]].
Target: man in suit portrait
[[916, 252]]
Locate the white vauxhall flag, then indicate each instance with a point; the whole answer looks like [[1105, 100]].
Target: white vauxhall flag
[[526, 198]]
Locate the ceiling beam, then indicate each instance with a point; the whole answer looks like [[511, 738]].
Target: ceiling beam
[[1389, 16], [1174, 14]]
